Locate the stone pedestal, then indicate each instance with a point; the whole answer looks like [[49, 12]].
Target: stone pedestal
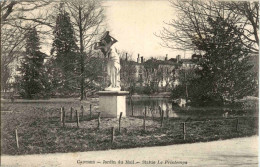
[[111, 103]]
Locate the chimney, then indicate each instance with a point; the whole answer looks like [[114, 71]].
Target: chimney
[[126, 57], [166, 57], [138, 58], [142, 59]]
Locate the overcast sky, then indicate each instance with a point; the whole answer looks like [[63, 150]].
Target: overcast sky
[[134, 22]]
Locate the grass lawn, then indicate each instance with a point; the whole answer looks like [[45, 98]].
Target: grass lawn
[[40, 130]]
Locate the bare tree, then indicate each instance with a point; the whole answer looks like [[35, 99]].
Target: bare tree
[[128, 70], [167, 74], [87, 18], [12, 42], [249, 11], [191, 23], [13, 10], [16, 17]]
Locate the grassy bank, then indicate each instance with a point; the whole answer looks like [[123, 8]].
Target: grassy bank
[[40, 130]]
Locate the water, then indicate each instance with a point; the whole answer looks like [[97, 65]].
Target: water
[[152, 105], [174, 110]]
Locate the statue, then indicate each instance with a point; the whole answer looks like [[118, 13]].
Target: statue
[[113, 65]]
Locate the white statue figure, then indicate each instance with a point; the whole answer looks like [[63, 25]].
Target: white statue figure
[[113, 65]]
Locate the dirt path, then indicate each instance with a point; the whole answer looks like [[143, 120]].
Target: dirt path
[[233, 152]]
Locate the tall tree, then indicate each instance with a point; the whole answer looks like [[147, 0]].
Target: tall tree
[[16, 18], [186, 85], [87, 18], [127, 71], [225, 70], [249, 11], [65, 50], [191, 22], [153, 76], [14, 10], [32, 67]]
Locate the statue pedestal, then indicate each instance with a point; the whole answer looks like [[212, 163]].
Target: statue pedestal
[[111, 103]]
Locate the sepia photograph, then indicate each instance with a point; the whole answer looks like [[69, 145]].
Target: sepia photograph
[[153, 83]]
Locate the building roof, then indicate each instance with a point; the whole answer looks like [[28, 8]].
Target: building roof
[[166, 62], [187, 61]]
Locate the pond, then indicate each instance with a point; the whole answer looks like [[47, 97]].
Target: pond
[[174, 110]]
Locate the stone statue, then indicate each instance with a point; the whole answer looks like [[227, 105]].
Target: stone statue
[[113, 65]]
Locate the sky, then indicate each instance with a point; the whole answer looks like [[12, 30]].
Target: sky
[[134, 22]]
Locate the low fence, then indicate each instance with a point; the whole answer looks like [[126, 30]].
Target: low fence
[[183, 128]]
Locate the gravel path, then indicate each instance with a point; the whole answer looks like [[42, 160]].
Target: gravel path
[[234, 152]]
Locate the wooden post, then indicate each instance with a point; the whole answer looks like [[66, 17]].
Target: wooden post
[[119, 127], [184, 130], [82, 111], [144, 118], [98, 120], [160, 111], [63, 117], [152, 113], [71, 113], [90, 112], [162, 117], [112, 134], [131, 103], [77, 116], [167, 113], [237, 122], [16, 138], [61, 114]]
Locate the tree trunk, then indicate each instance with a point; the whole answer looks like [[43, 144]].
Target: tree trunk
[[81, 56]]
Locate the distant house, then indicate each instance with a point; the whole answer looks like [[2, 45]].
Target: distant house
[[162, 74], [167, 69], [187, 64], [184, 64], [140, 71], [176, 60], [190, 63]]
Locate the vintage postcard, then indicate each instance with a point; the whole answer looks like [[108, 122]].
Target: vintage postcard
[[129, 83]]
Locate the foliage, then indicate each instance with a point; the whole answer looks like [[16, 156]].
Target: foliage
[[168, 72], [186, 78], [93, 78], [87, 18], [64, 49], [150, 88], [178, 92], [224, 70], [191, 22], [16, 18], [153, 75], [249, 11], [224, 74], [32, 82], [151, 63], [77, 28], [5, 76], [127, 72]]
